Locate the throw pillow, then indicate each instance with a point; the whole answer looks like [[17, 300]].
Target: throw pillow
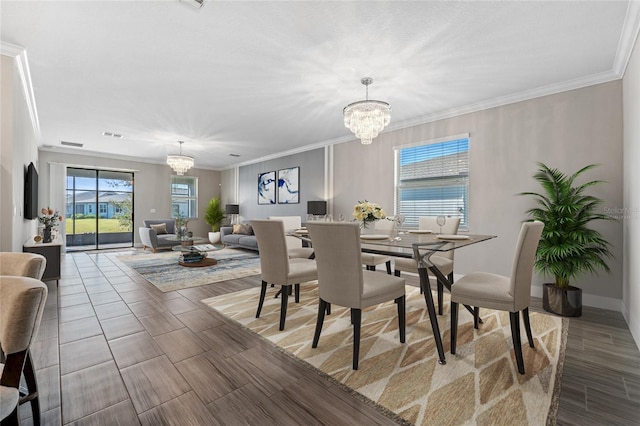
[[243, 228], [160, 228]]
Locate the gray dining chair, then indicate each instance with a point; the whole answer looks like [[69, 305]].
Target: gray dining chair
[[294, 244], [487, 290], [442, 260], [276, 266], [22, 301], [371, 260], [342, 281]]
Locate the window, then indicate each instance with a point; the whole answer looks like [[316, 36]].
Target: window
[[102, 208], [432, 179], [184, 196]]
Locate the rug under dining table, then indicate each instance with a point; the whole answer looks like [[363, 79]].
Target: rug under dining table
[[478, 385]]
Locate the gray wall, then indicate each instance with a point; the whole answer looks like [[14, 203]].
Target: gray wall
[[151, 188], [631, 211], [567, 131], [311, 165]]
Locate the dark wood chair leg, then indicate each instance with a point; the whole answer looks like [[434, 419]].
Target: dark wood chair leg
[[263, 292], [454, 326], [284, 298], [514, 317], [476, 316], [297, 287], [527, 326], [402, 318], [356, 315], [322, 308], [396, 273], [328, 308], [388, 267], [32, 386]]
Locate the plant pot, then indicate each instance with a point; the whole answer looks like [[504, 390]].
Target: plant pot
[[566, 302], [214, 237]]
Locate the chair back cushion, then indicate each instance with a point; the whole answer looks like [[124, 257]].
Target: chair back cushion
[[22, 264], [523, 262], [337, 248], [290, 222], [274, 259], [450, 227], [22, 301], [169, 223], [386, 226]]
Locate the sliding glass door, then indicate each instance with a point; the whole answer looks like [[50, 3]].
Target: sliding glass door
[[99, 210]]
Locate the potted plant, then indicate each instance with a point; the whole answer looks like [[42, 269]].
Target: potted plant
[[213, 215], [568, 247]]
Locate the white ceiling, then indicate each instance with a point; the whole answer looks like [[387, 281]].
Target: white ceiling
[[260, 78]]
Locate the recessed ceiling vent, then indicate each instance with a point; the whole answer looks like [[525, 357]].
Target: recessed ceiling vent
[[73, 144], [234, 155], [112, 135], [194, 3]]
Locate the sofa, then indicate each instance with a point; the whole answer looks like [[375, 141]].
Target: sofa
[[155, 238], [243, 238]]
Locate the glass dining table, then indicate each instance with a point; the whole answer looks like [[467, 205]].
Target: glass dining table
[[421, 246]]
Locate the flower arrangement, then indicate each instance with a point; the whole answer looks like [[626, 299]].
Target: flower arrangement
[[49, 218], [366, 212]]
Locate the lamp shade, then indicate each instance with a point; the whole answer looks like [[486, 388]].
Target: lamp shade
[[232, 209], [317, 207]]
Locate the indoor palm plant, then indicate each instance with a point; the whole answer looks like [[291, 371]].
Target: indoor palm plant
[[213, 215], [568, 247]]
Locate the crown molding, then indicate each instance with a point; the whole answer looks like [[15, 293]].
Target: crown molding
[[628, 37], [22, 63]]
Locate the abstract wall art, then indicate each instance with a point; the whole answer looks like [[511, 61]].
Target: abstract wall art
[[288, 185], [267, 188]]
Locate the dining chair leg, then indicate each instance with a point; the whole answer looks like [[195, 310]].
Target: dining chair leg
[[527, 326], [388, 267], [396, 272], [476, 316], [454, 326], [283, 305], [517, 344], [356, 315], [297, 287], [328, 308], [32, 386], [322, 308], [263, 292], [402, 318]]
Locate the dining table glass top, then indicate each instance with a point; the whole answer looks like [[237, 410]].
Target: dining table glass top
[[404, 244]]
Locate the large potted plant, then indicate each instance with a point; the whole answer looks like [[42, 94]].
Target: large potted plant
[[213, 215], [568, 247]]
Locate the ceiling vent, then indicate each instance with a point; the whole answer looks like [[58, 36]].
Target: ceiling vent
[[234, 155], [194, 3], [73, 144], [113, 135]]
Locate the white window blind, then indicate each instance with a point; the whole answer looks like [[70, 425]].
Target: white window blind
[[433, 179], [184, 197]]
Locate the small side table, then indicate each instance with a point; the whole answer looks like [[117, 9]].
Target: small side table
[[52, 252]]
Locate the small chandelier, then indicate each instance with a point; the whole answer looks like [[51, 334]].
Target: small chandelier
[[180, 163], [367, 118]]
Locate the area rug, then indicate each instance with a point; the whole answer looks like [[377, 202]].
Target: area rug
[[163, 271], [478, 385]]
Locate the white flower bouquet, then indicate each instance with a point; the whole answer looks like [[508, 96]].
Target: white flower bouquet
[[366, 212]]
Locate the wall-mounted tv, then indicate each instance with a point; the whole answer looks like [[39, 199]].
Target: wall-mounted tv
[[31, 193]]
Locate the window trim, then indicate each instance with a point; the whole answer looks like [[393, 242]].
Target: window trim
[[184, 198]]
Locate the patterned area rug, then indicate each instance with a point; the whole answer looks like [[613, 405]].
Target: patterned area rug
[[478, 385], [163, 271]]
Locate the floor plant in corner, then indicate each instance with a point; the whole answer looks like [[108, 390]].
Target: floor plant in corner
[[568, 247], [213, 215]]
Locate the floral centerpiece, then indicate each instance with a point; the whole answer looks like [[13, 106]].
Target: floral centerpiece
[[366, 212], [49, 219]]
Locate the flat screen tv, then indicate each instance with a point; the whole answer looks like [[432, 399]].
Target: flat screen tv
[[31, 193]]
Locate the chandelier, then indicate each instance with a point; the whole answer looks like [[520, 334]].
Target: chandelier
[[366, 118], [180, 163]]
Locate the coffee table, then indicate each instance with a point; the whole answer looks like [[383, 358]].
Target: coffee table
[[201, 249]]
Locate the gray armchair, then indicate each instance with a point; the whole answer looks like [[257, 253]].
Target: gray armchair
[[155, 240]]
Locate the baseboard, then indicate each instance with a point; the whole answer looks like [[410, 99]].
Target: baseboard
[[588, 300]]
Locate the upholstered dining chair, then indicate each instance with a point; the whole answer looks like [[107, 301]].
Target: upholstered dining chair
[[486, 290], [294, 245], [342, 281], [443, 260], [370, 260], [30, 265], [22, 301], [276, 266]]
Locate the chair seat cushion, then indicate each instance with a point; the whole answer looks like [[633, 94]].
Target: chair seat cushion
[[8, 400], [300, 253], [301, 270], [485, 290], [371, 259], [409, 265], [379, 288]]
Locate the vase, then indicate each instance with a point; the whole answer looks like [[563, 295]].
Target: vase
[[46, 234]]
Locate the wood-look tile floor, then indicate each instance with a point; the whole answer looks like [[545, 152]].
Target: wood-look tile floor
[[114, 350]]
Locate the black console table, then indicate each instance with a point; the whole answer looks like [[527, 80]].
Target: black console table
[[52, 252]]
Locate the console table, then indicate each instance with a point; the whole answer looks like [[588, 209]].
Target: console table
[[52, 252]]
